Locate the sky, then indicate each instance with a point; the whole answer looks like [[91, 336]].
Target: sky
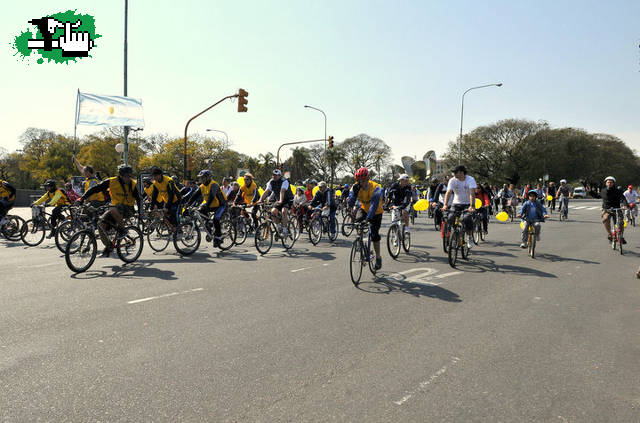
[[393, 70]]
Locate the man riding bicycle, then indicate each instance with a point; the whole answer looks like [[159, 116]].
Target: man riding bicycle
[[532, 213], [324, 198], [249, 196], [401, 196], [56, 197], [124, 196], [278, 190], [369, 194], [7, 198], [90, 181], [632, 200], [437, 201], [462, 188], [563, 195], [611, 199], [213, 201], [165, 195]]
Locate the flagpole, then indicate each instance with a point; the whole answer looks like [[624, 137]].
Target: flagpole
[[126, 128], [75, 124]]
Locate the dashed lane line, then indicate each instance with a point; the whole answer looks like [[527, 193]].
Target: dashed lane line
[[171, 294]]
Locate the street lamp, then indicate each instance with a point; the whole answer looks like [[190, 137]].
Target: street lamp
[[325, 130], [462, 115], [226, 145]]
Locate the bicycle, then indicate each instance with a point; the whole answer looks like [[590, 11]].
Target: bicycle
[[347, 225], [531, 240], [396, 235], [511, 208], [11, 228], [242, 223], [478, 231], [80, 218], [457, 242], [35, 229], [564, 209], [267, 230], [361, 253], [187, 236], [617, 230], [82, 248], [320, 223], [158, 230], [629, 214]]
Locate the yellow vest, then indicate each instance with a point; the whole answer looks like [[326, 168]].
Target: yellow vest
[[88, 184], [366, 193], [163, 187], [248, 192], [5, 192], [121, 194], [205, 189], [149, 190], [63, 201]]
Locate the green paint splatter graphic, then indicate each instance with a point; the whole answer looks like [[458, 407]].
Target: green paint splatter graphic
[[22, 50]]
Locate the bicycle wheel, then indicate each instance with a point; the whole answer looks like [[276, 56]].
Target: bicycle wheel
[[130, 247], [347, 225], [475, 235], [81, 251], [445, 234], [394, 239], [228, 233], [464, 248], [186, 238], [241, 230], [64, 232], [356, 262], [531, 240], [332, 236], [315, 230], [159, 236], [452, 252], [371, 258], [264, 238], [406, 240], [289, 239], [12, 227], [32, 232], [620, 242]]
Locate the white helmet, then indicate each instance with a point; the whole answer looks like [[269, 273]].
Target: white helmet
[[277, 172], [609, 178], [403, 176], [563, 181]]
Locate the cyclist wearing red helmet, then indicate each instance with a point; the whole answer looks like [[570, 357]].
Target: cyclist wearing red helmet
[[632, 199], [369, 194]]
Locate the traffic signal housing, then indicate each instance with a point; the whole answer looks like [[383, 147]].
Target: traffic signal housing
[[331, 141], [242, 100]]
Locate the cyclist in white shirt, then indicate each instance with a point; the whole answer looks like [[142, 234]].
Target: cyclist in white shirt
[[462, 187], [632, 198]]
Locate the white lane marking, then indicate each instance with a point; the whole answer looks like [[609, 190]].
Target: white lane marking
[[424, 278], [580, 208], [171, 294], [427, 382], [301, 269], [445, 275], [593, 208]]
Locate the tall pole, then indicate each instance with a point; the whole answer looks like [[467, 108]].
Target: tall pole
[[126, 128], [462, 116], [325, 131], [226, 136]]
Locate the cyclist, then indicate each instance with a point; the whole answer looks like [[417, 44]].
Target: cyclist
[[90, 181], [505, 194], [437, 201], [324, 198], [7, 198], [147, 189], [300, 208], [226, 186], [249, 195], [483, 195], [310, 184], [612, 196], [124, 196], [532, 213], [632, 199], [551, 191], [369, 194], [278, 191], [462, 188], [563, 195], [73, 196], [400, 195], [57, 198], [165, 194], [213, 200]]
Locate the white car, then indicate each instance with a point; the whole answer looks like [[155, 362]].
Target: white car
[[579, 192]]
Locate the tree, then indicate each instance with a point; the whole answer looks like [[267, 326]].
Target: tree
[[364, 151]]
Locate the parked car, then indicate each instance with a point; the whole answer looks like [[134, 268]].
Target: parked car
[[579, 192]]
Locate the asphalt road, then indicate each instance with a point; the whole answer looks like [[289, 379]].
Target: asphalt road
[[287, 337]]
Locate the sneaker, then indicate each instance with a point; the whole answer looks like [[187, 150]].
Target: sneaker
[[51, 234], [378, 265], [217, 241], [610, 237], [106, 252], [469, 244], [523, 245], [624, 241]]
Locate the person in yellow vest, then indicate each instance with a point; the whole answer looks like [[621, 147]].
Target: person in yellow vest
[[90, 181], [147, 190], [56, 197], [124, 196], [213, 200], [165, 194], [7, 198], [369, 194], [249, 195]]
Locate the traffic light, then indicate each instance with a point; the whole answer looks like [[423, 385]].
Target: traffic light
[[331, 141], [242, 100]]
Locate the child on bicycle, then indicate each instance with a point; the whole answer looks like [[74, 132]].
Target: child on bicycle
[[532, 213]]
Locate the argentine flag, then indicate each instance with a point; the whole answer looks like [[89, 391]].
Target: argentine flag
[[109, 110]]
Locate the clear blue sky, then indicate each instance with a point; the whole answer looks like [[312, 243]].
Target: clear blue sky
[[395, 70]]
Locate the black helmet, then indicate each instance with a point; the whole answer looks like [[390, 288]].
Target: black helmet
[[155, 170], [124, 169], [204, 173], [49, 183]]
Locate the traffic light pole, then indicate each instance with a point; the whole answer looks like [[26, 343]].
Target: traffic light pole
[[291, 143], [185, 175]]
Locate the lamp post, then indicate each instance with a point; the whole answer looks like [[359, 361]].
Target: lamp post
[[126, 128], [226, 143], [462, 115]]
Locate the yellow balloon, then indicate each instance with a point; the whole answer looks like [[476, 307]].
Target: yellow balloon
[[293, 189], [549, 198], [338, 193], [478, 203], [502, 216], [260, 191], [315, 189], [421, 205], [241, 180], [522, 224], [625, 223]]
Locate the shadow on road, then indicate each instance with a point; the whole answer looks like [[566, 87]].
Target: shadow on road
[[554, 258], [480, 265], [388, 286], [128, 271]]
